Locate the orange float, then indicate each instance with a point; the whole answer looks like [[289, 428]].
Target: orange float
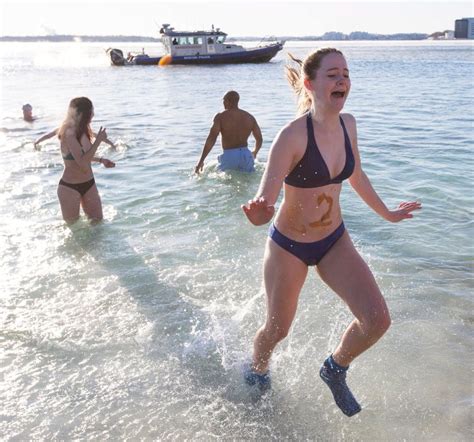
[[165, 60]]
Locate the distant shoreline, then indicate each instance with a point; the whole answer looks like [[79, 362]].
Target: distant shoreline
[[329, 36], [78, 38]]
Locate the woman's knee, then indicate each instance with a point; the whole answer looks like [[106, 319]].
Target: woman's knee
[[377, 323], [383, 322], [94, 214]]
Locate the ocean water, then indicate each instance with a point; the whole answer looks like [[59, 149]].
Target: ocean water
[[137, 328]]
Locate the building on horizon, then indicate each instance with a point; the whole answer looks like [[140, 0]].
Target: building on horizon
[[449, 35], [464, 28]]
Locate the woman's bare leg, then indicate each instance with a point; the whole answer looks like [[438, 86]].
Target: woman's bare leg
[[284, 275], [345, 272], [92, 205], [343, 269], [70, 202]]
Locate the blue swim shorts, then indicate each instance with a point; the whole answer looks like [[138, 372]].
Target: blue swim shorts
[[238, 158]]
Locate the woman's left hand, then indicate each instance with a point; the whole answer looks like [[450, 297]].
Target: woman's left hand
[[107, 163], [403, 211]]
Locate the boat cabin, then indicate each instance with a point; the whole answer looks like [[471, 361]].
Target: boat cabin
[[194, 43]]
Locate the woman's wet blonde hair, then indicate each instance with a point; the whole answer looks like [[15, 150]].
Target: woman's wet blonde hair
[[305, 69], [79, 116]]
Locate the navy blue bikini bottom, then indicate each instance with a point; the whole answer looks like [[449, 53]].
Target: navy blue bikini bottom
[[311, 253]]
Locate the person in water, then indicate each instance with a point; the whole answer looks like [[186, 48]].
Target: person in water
[[78, 147], [28, 113], [313, 155], [235, 126]]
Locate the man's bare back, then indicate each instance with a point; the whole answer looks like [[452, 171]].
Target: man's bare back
[[236, 126]]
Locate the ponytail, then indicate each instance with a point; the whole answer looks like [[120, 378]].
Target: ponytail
[[294, 77]]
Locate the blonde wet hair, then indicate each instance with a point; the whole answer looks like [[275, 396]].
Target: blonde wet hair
[[78, 118], [305, 69]]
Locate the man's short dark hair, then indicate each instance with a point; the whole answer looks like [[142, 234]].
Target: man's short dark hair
[[232, 97]]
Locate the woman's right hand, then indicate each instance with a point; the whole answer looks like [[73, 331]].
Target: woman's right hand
[[101, 135], [258, 211]]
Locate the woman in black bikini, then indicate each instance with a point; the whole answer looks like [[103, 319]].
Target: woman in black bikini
[[313, 155], [77, 186]]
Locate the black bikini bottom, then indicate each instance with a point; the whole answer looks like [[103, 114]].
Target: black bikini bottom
[[82, 188]]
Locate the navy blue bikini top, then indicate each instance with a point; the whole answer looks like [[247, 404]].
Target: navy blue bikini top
[[312, 171]]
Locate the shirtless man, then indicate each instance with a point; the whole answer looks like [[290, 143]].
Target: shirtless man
[[235, 126]]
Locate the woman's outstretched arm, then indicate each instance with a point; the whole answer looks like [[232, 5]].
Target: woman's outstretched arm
[[45, 137], [361, 184]]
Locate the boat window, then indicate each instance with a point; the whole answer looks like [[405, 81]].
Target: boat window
[[210, 41], [197, 40], [220, 39], [182, 41]]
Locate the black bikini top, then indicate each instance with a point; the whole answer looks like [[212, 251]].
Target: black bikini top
[[312, 171]]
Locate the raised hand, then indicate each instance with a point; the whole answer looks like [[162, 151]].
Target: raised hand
[[101, 135], [403, 211], [258, 211]]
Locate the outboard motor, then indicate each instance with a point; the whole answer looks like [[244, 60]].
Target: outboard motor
[[116, 56]]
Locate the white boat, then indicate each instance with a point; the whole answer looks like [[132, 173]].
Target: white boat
[[199, 47]]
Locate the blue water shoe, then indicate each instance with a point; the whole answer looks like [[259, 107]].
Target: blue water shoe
[[334, 376], [262, 381]]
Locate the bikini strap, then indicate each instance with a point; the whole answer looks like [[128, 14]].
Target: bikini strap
[[347, 140], [310, 130]]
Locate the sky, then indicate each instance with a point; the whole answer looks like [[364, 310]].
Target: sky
[[237, 18]]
